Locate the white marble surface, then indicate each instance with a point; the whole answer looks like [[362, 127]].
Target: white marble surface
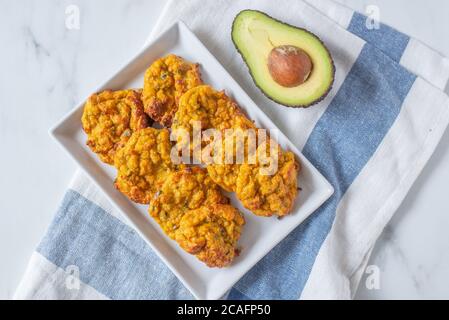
[[46, 69]]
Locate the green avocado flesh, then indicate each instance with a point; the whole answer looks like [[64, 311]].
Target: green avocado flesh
[[255, 34]]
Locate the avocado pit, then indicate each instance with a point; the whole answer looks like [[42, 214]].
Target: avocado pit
[[289, 65]]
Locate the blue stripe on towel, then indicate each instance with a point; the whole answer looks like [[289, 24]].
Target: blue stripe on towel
[[110, 256], [388, 40], [342, 142]]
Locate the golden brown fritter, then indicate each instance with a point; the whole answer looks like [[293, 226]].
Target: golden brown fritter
[[166, 80], [110, 118], [225, 165], [213, 109], [189, 188], [205, 108], [211, 233], [143, 164], [272, 192], [225, 175], [223, 170]]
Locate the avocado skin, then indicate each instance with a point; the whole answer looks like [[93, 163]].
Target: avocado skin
[[251, 73]]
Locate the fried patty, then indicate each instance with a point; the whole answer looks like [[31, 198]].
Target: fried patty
[[272, 192], [203, 108], [110, 118], [186, 189], [213, 109], [211, 233], [225, 175], [225, 164], [143, 164], [165, 81]]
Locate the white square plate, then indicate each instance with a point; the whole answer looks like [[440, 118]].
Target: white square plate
[[259, 235]]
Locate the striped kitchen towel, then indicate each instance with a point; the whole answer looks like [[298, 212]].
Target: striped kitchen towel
[[371, 137]]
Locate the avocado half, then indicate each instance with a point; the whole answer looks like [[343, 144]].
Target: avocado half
[[255, 35]]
